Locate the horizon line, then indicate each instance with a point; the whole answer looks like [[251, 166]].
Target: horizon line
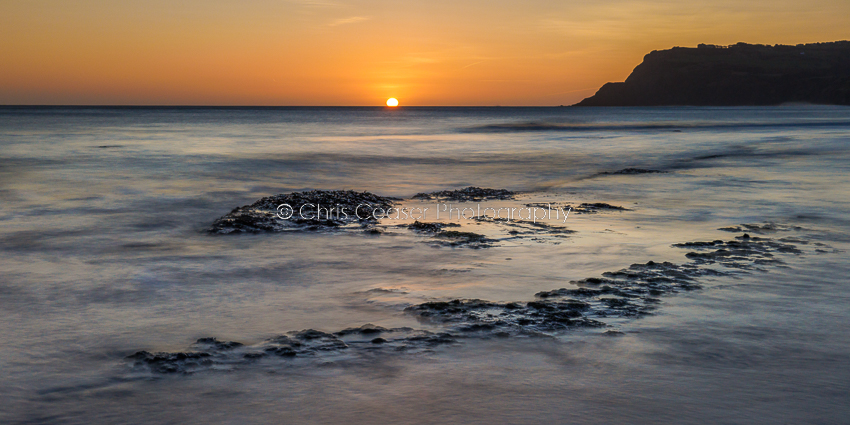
[[271, 106]]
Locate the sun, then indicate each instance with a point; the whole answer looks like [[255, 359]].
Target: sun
[[392, 102]]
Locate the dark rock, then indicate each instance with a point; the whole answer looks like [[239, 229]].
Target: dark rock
[[741, 74], [313, 334], [631, 171], [467, 239], [478, 315], [742, 253], [172, 362], [594, 207], [282, 351], [451, 238], [470, 193], [221, 345], [367, 329], [449, 307], [531, 228], [426, 227], [313, 210], [463, 237], [429, 339], [600, 206], [615, 302], [478, 327], [761, 229]]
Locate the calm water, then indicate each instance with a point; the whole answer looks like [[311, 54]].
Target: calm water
[[104, 253]]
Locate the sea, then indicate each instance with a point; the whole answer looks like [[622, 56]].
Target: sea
[[697, 271]]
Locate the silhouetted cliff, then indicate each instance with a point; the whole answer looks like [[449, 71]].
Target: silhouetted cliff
[[741, 74]]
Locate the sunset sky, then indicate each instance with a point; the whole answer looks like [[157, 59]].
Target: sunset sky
[[361, 52]]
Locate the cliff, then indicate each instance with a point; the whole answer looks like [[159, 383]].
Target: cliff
[[741, 74]]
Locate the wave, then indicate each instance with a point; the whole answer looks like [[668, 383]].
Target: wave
[[549, 126]]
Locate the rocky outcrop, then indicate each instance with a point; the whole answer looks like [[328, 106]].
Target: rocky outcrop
[[470, 193], [738, 75], [313, 210]]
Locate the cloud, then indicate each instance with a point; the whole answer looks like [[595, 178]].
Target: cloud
[[350, 20], [319, 3]]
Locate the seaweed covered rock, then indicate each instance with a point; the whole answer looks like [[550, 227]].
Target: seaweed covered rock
[[313, 210], [470, 193], [594, 207], [429, 227], [592, 302], [632, 171], [505, 319], [451, 238], [760, 228], [305, 345], [467, 239], [744, 252]]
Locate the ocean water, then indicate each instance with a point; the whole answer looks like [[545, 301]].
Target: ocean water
[[104, 252]]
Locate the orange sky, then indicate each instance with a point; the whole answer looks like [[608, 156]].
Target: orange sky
[[361, 52]]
